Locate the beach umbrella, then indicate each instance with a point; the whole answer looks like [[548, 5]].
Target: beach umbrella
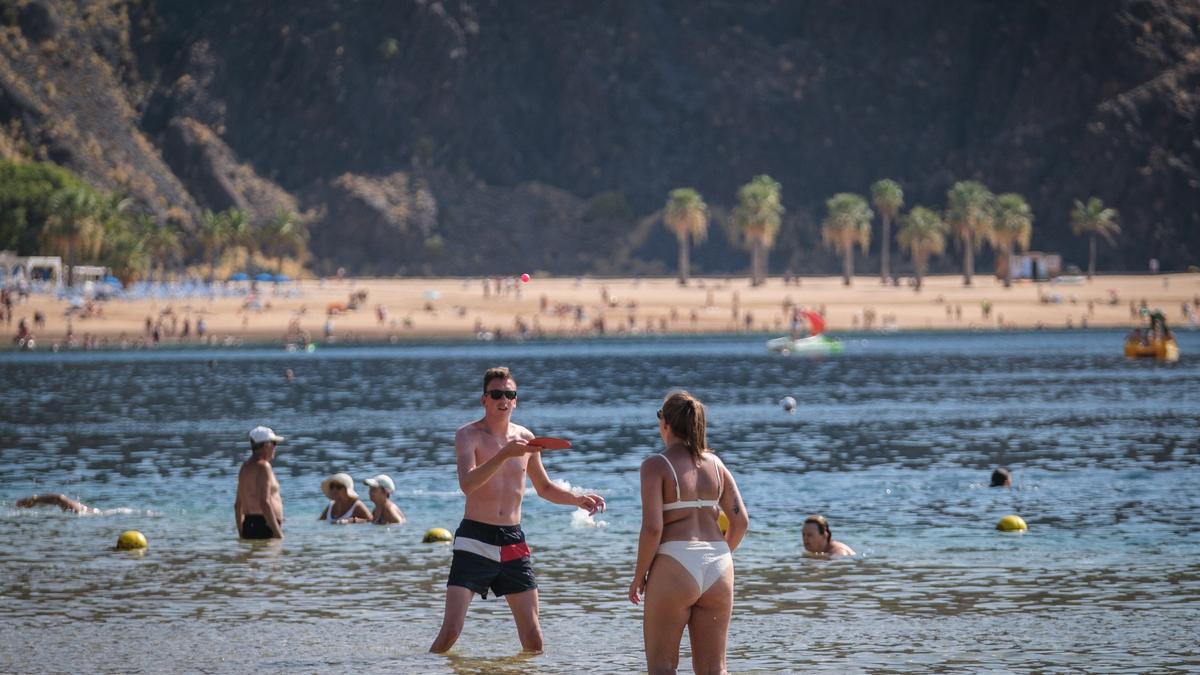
[[282, 277], [239, 276], [263, 276], [112, 281]]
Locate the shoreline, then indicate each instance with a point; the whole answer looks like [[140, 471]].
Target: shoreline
[[393, 311]]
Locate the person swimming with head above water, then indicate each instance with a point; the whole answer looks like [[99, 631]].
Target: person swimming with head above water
[[684, 562], [818, 539], [345, 508], [55, 499]]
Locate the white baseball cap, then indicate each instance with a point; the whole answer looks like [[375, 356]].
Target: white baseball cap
[[264, 434], [381, 481]]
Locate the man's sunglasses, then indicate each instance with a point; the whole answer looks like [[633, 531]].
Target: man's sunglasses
[[498, 394]]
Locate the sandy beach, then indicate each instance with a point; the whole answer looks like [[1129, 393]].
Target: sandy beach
[[416, 308]]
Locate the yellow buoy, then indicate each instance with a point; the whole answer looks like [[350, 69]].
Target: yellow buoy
[[437, 534], [723, 522], [131, 540], [1012, 523]]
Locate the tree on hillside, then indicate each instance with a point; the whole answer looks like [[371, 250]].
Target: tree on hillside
[[25, 192], [969, 212], [74, 225], [283, 236], [848, 223], [686, 215], [888, 198], [923, 233], [1013, 226], [1094, 220], [757, 217]]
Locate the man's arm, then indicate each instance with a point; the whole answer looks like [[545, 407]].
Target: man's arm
[[239, 514], [470, 476], [551, 492], [266, 504]]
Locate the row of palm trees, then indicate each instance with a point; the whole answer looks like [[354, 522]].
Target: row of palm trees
[[973, 215], [83, 222]]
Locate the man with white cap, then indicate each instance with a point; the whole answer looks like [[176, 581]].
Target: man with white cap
[[258, 509], [380, 492]]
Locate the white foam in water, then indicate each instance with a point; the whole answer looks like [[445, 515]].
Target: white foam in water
[[580, 519]]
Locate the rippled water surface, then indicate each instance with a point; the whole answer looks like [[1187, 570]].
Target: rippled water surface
[[893, 441]]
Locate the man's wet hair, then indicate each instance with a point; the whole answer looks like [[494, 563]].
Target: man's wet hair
[[1001, 477]]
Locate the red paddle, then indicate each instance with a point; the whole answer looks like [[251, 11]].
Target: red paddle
[[549, 443]]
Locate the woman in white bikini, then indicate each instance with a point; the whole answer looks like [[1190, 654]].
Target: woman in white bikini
[[344, 505], [684, 563]]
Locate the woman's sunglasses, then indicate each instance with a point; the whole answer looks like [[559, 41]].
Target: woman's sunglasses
[[498, 394]]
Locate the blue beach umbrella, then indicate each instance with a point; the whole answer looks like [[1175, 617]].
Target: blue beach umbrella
[[112, 281], [239, 276], [263, 276], [282, 277]]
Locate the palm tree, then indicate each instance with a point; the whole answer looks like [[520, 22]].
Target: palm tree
[[212, 235], [888, 198], [848, 223], [282, 236], [1093, 219], [238, 230], [127, 255], [160, 242], [75, 225], [686, 215], [969, 211], [757, 217], [923, 233], [1013, 225]]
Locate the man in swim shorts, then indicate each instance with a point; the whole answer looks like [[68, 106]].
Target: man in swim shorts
[[490, 552], [258, 509]]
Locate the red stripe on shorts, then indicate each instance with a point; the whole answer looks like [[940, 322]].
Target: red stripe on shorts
[[514, 552]]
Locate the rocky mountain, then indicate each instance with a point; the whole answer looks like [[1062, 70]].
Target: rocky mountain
[[488, 136]]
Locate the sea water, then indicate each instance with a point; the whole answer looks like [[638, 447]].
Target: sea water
[[893, 440]]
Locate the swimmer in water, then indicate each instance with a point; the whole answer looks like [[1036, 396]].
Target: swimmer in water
[[818, 539], [380, 489], [55, 499], [1001, 478]]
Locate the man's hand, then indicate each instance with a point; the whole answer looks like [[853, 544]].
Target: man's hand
[[590, 503], [517, 448]]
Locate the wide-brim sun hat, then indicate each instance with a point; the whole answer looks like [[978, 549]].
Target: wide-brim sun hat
[[342, 479]]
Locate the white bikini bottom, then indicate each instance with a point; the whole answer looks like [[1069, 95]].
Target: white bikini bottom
[[706, 561]]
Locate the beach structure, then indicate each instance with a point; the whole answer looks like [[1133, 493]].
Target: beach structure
[[1035, 265], [16, 269]]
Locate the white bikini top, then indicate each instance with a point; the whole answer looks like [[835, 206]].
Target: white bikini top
[[695, 503], [346, 515]]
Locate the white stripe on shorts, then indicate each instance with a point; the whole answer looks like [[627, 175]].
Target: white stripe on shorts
[[489, 551]]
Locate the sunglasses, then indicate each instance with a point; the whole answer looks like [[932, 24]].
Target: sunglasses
[[498, 394], [336, 486], [660, 413]]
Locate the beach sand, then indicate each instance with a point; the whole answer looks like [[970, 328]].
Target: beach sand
[[421, 308]]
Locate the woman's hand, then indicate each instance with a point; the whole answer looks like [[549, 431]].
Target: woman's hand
[[637, 590]]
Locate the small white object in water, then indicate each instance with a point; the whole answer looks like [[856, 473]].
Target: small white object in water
[[788, 403], [580, 518]]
